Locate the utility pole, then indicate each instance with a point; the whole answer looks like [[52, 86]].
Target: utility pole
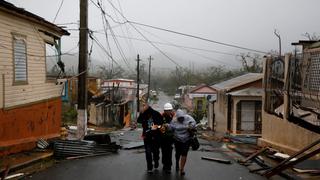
[[83, 63], [278, 35], [138, 81], [149, 75]]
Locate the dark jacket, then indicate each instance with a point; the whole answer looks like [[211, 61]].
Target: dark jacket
[[167, 118], [147, 118]]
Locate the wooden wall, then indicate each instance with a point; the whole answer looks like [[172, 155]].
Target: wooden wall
[[37, 87]]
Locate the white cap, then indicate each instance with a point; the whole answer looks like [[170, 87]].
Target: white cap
[[167, 106], [179, 113]]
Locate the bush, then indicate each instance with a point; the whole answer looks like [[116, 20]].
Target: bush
[[197, 115], [69, 115]]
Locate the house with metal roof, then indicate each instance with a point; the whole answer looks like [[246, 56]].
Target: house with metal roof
[[198, 98], [30, 100], [237, 108]]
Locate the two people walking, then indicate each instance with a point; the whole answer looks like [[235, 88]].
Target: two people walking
[[162, 131]]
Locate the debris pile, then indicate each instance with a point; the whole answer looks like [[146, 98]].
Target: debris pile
[[92, 145]]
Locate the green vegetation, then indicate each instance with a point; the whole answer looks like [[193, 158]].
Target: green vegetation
[[69, 114]]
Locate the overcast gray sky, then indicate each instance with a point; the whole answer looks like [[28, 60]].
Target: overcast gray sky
[[246, 23]]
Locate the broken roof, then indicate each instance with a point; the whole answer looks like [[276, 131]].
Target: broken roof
[[238, 81], [20, 12], [251, 91]]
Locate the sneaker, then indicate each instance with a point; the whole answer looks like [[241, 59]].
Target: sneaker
[[150, 172], [182, 173]]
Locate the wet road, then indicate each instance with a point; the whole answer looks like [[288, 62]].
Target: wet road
[[163, 98], [131, 164]]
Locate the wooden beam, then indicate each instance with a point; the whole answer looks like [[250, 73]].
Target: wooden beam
[[253, 155], [284, 164], [217, 160]]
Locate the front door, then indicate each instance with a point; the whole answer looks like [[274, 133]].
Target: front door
[[247, 115]]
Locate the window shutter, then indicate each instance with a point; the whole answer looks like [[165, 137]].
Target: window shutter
[[20, 60]]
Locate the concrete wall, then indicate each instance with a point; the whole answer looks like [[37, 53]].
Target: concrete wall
[[21, 127], [279, 133], [220, 110]]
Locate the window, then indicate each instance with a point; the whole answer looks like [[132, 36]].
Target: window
[[52, 69], [20, 60], [274, 86], [199, 105]]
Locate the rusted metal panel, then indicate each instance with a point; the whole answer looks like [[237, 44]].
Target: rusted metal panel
[[25, 125]]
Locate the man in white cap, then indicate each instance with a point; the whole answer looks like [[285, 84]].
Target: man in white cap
[[167, 139], [181, 134]]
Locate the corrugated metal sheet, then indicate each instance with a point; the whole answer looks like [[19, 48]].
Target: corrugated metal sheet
[[238, 81]]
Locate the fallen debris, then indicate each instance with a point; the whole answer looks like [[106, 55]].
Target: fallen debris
[[287, 163], [310, 171], [213, 150], [90, 155], [98, 138], [253, 155], [42, 144], [133, 145], [14, 176], [72, 148], [217, 160]]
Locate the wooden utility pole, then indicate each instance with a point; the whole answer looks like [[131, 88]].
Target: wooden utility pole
[[138, 81], [83, 63], [149, 75]]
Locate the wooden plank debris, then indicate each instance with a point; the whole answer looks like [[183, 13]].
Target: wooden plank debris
[[216, 160], [288, 163], [252, 156]]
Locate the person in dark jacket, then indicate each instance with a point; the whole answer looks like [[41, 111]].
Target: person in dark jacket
[[167, 139], [151, 121]]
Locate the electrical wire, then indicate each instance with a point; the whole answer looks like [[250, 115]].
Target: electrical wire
[[58, 11], [185, 49], [163, 53], [201, 38], [185, 34], [105, 22]]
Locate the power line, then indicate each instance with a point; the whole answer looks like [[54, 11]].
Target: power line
[[197, 37], [175, 45], [184, 34], [114, 38], [164, 54], [211, 59], [58, 11]]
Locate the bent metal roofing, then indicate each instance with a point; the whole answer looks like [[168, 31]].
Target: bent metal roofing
[[238, 81]]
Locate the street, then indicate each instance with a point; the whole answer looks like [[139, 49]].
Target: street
[[131, 164]]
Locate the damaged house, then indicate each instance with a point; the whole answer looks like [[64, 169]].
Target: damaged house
[[30, 101], [115, 105], [237, 108], [291, 104]]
